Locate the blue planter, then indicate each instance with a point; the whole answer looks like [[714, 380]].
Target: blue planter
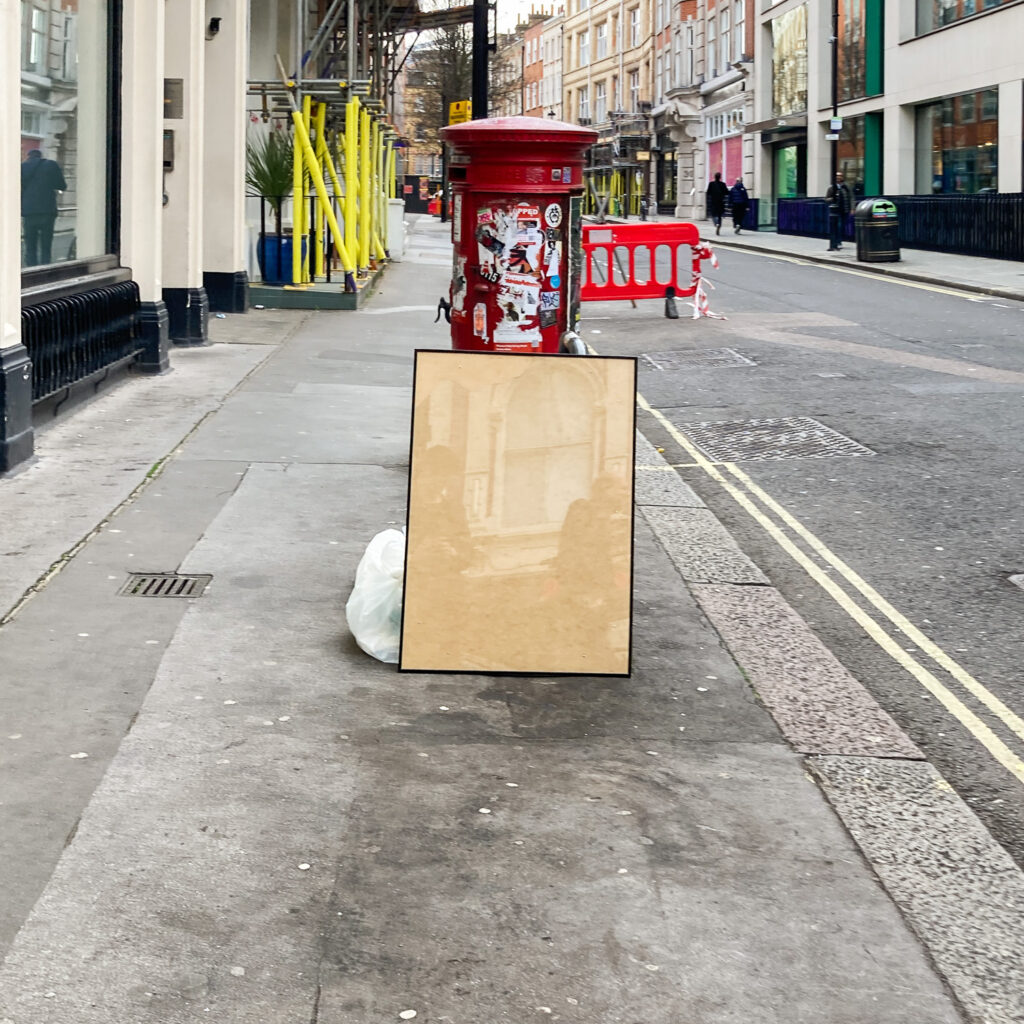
[[274, 253]]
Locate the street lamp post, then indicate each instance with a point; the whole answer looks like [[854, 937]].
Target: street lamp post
[[835, 228]]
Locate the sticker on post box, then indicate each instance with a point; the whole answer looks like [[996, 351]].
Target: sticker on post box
[[480, 319], [556, 173], [566, 175], [553, 215]]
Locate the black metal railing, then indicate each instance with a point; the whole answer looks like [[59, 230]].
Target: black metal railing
[[990, 225], [70, 338]]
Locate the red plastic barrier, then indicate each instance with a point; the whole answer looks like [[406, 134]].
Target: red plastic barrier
[[639, 261]]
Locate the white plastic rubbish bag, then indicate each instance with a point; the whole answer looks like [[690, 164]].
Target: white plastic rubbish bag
[[374, 608]]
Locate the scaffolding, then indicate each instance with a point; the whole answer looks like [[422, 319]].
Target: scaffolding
[[339, 96]]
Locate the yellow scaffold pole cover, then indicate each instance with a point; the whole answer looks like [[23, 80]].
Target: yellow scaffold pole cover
[[364, 191], [319, 124], [351, 172], [297, 208]]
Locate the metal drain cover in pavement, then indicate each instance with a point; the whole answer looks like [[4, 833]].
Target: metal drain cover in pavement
[[790, 437], [706, 357], [164, 584]]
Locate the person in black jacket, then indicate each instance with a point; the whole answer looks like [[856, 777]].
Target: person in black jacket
[[839, 205], [740, 203], [41, 180], [717, 194]]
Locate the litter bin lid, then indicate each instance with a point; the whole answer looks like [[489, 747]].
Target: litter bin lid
[[875, 209]]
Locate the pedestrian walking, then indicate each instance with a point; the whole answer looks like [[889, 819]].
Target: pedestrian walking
[[839, 205], [718, 193], [740, 202], [41, 180]]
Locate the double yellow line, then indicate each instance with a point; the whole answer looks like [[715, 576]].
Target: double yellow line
[[762, 508]]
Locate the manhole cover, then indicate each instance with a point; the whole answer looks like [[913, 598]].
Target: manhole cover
[[790, 437], [164, 584], [707, 357]]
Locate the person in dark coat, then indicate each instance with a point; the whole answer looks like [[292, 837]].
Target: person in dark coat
[[740, 202], [718, 193], [41, 180], [840, 203]]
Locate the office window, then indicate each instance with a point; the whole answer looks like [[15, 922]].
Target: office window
[[739, 16], [584, 4], [584, 103], [712, 48], [600, 103], [659, 83], [616, 93], [602, 40], [789, 62], [956, 151], [584, 48], [634, 27], [615, 33], [634, 90], [933, 14]]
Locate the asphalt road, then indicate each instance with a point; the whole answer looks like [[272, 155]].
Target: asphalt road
[[901, 555]]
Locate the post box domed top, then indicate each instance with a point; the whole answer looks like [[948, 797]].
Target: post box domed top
[[472, 136]]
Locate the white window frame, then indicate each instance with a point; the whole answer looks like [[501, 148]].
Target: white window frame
[[600, 102], [583, 103], [711, 47], [601, 41], [583, 48], [739, 29], [634, 26], [725, 37], [634, 90]]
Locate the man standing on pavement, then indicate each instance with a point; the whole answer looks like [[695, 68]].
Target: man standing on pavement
[[838, 196], [41, 180], [740, 202], [717, 194]]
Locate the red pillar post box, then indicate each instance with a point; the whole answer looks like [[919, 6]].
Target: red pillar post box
[[515, 283]]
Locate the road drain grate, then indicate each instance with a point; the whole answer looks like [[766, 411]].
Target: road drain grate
[[705, 357], [790, 437], [164, 584]]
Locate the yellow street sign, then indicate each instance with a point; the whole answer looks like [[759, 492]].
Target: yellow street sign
[[460, 111]]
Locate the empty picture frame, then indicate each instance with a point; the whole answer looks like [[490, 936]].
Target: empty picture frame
[[519, 545]]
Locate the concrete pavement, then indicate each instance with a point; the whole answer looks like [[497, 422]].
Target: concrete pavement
[[267, 825]]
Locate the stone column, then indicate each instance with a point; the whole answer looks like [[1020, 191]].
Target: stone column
[[184, 65], [16, 438], [1011, 117], [142, 103], [224, 230]]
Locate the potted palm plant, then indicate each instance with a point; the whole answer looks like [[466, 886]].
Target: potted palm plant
[[269, 173]]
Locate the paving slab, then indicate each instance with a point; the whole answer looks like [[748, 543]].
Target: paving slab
[[700, 547], [960, 890], [819, 706]]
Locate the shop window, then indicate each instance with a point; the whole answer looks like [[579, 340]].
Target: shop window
[[68, 119]]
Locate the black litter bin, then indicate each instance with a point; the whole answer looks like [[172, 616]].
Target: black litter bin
[[877, 231]]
